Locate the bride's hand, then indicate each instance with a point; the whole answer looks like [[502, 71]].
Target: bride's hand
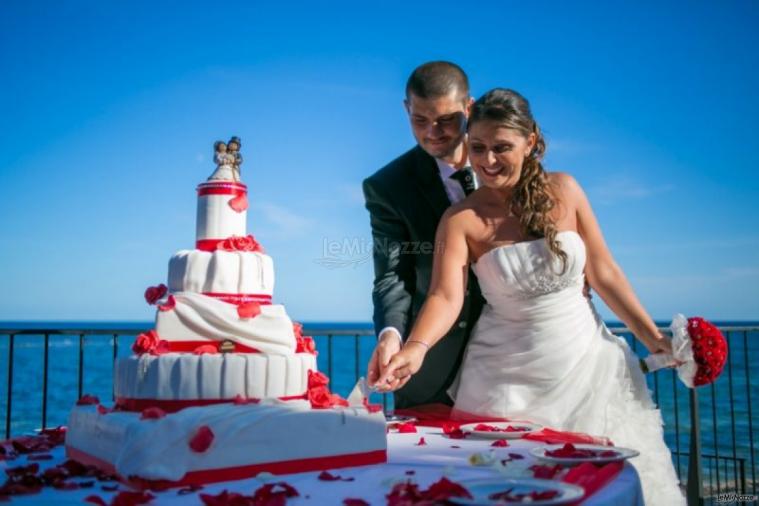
[[402, 366]]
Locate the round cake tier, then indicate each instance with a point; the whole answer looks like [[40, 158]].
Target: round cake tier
[[223, 274], [218, 215], [210, 377], [197, 317]]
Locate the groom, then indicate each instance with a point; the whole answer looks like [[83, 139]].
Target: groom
[[406, 199]]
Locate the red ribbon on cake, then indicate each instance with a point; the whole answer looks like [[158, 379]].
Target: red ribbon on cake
[[222, 188]]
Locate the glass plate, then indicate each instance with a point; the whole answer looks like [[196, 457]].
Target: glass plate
[[481, 489], [528, 426], [621, 454]]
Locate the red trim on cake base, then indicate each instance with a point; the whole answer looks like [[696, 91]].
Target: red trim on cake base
[[174, 405], [191, 346], [236, 473]]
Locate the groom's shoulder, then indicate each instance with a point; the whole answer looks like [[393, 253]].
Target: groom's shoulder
[[397, 170]]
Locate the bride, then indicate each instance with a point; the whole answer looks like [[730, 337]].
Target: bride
[[539, 351]]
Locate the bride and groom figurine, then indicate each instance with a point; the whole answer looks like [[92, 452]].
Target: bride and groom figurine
[[490, 315], [228, 159]]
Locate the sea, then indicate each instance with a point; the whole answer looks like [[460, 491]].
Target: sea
[[728, 433]]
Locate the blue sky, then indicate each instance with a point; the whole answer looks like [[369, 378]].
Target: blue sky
[[108, 112]]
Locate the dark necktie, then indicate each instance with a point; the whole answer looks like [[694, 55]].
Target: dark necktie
[[465, 178]]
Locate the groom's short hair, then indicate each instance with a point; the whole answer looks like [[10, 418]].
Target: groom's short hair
[[437, 79]]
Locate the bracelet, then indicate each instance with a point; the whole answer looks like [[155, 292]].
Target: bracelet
[[419, 342]]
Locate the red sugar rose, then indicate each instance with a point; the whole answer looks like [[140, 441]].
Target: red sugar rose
[[150, 342], [154, 293], [238, 243]]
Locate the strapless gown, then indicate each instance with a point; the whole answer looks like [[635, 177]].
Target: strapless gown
[[541, 352]]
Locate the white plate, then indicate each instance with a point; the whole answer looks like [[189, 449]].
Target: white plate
[[481, 489], [531, 427], [621, 454]]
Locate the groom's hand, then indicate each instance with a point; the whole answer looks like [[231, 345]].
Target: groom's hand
[[388, 344], [403, 365]]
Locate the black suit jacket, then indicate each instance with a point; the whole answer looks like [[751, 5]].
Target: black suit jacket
[[406, 199]]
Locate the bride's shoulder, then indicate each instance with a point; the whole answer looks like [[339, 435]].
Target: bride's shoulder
[[565, 186]]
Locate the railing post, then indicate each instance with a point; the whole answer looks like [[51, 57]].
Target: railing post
[[695, 488]]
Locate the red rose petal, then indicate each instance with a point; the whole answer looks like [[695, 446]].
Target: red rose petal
[[171, 302], [327, 476], [239, 203], [372, 408], [500, 443], [421, 442], [153, 413], [248, 310], [202, 439], [87, 400], [206, 349], [445, 489], [225, 498], [103, 410], [94, 499], [127, 498], [354, 502], [240, 400], [406, 428]]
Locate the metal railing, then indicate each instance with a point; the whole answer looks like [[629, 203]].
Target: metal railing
[[721, 450]]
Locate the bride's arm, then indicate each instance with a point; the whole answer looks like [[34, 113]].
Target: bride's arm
[[442, 305], [604, 274]]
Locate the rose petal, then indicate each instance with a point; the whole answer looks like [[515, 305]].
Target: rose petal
[[406, 428], [206, 349], [248, 310], [327, 476], [171, 302], [94, 499], [500, 443], [202, 439], [354, 502], [152, 413], [239, 203], [87, 400], [421, 442]]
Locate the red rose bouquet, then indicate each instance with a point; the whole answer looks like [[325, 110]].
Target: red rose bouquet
[[698, 347]]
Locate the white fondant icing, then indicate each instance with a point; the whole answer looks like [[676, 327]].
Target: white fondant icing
[[243, 435], [198, 317], [221, 271], [217, 220], [184, 376]]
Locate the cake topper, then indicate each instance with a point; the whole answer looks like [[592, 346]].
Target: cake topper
[[228, 159]]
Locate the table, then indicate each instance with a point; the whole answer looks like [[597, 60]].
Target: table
[[428, 463]]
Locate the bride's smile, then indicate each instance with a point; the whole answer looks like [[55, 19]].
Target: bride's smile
[[497, 153]]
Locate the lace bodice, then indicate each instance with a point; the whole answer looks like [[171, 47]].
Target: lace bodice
[[529, 269]]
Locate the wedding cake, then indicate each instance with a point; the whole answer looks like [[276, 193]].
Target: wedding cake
[[225, 386]]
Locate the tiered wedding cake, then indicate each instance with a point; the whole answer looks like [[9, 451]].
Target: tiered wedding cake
[[225, 386]]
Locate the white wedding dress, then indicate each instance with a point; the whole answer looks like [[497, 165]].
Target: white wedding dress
[[541, 352]]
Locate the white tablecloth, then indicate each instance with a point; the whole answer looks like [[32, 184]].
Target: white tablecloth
[[429, 463]]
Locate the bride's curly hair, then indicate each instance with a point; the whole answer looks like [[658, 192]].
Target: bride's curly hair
[[532, 199]]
